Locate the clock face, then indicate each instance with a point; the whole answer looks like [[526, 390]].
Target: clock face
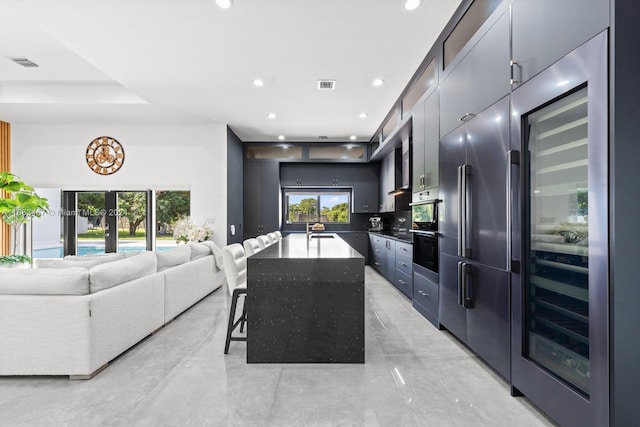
[[105, 155]]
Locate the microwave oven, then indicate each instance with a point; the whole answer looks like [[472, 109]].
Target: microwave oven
[[424, 216]]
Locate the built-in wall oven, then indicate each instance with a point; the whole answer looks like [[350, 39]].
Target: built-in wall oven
[[424, 226]]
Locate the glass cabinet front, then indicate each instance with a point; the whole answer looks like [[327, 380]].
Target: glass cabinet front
[[557, 216]]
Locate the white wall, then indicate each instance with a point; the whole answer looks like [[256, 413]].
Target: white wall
[[178, 157]]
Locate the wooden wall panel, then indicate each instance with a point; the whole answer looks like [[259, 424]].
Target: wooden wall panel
[[5, 165]]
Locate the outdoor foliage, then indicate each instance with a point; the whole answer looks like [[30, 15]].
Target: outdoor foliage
[[306, 210], [170, 207], [133, 206], [337, 213]]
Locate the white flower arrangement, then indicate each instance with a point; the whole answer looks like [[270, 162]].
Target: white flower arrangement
[[184, 230]]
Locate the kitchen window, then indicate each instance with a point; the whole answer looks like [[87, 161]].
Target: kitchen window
[[322, 206]]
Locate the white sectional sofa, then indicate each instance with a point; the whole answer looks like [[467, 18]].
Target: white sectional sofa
[[72, 316]]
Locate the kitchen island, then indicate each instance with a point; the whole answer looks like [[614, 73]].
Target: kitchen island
[[305, 301]]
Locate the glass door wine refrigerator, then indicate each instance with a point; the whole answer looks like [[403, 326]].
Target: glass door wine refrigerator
[[559, 238]]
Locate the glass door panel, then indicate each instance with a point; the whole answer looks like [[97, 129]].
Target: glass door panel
[[131, 213], [91, 225], [557, 282]]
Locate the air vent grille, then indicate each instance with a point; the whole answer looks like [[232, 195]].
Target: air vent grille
[[23, 61], [325, 84], [323, 137]]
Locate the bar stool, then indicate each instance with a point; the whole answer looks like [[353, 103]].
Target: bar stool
[[251, 246], [263, 241], [235, 269], [273, 237], [278, 234]]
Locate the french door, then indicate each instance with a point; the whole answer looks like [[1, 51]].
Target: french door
[[559, 261], [98, 222]]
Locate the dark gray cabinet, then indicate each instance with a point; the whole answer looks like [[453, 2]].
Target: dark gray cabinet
[[261, 194], [478, 80], [365, 188], [426, 293], [404, 268], [393, 259], [377, 253], [387, 182], [426, 136], [543, 31], [316, 175], [359, 240]]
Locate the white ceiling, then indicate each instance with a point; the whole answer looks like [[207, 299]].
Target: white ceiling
[[190, 62]]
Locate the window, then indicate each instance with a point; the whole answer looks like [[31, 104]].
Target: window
[[324, 206], [474, 17]]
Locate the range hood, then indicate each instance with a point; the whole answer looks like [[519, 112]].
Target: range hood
[[403, 163]]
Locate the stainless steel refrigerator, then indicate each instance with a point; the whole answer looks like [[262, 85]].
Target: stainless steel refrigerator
[[474, 282]]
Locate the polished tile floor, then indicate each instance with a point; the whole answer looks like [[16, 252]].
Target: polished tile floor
[[414, 375]]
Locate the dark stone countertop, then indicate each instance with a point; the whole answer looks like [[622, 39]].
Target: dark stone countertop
[[391, 236], [297, 246]]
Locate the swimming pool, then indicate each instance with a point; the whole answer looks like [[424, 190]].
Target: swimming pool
[[91, 249]]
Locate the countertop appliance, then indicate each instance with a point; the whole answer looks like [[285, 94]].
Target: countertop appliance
[[376, 223]]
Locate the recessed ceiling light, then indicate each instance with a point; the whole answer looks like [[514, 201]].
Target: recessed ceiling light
[[258, 83], [281, 137], [271, 115], [352, 137], [410, 5], [377, 82], [224, 4], [363, 115]]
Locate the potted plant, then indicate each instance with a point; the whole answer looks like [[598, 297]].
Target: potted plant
[[19, 204]]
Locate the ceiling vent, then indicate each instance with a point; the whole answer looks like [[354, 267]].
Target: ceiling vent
[[323, 137], [326, 84], [23, 61]]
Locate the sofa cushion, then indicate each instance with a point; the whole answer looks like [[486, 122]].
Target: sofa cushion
[[76, 261], [217, 253], [175, 256], [111, 274], [198, 250], [44, 281], [108, 256]]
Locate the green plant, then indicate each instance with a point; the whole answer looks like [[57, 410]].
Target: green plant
[[19, 204], [14, 259]]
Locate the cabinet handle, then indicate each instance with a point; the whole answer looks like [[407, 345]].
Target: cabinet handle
[[512, 80], [424, 294], [467, 297], [377, 250], [463, 210], [467, 116], [404, 249], [460, 279], [402, 282], [513, 160], [376, 263], [403, 264]]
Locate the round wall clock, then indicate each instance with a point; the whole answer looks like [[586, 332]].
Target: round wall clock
[[105, 155]]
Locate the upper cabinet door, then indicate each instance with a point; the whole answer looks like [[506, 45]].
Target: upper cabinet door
[[431, 141], [478, 80], [418, 147], [544, 31]]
